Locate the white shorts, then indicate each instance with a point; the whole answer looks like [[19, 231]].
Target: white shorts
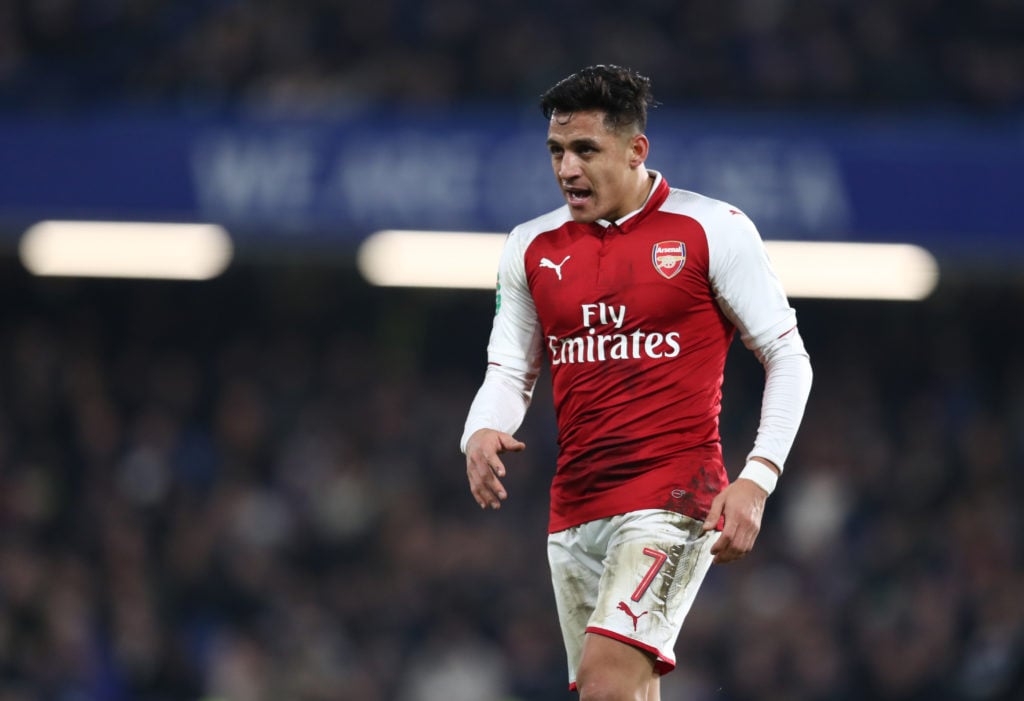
[[631, 577]]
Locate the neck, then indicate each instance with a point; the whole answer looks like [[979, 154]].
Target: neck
[[644, 183]]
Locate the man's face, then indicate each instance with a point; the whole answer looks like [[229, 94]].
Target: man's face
[[595, 167]]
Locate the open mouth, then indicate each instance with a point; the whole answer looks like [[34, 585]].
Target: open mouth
[[577, 196]]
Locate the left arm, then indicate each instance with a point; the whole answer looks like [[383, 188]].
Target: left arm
[[787, 384], [750, 294]]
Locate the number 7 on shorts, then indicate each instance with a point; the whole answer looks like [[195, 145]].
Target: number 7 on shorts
[[645, 583]]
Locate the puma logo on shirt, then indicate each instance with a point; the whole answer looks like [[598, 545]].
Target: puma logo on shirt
[[546, 263]]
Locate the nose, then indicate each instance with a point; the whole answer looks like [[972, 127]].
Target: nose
[[568, 166]]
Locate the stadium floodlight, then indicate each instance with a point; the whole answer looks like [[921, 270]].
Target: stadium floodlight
[[807, 269], [835, 270], [126, 249], [430, 259]]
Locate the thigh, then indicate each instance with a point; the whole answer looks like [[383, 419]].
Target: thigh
[[654, 565], [575, 578]]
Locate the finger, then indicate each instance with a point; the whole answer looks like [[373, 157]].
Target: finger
[[727, 553], [725, 549], [485, 485], [727, 557], [489, 457], [485, 466], [488, 495], [492, 470], [714, 515], [745, 541], [479, 497], [508, 443], [739, 542], [497, 467], [728, 529], [486, 498], [720, 545]]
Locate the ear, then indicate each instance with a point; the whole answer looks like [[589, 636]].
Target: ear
[[639, 147]]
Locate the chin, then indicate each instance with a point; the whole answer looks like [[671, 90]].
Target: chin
[[585, 217]]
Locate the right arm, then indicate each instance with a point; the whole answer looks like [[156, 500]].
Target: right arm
[[497, 411], [513, 354]]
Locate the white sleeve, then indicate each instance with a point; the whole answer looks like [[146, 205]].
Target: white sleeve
[[750, 294], [500, 403], [514, 350], [787, 385]]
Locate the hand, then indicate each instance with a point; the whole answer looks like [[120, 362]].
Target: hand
[[742, 504], [484, 467]]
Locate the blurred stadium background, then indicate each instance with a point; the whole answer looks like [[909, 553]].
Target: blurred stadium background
[[249, 488]]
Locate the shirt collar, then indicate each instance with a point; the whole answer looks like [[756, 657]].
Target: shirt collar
[[654, 192]]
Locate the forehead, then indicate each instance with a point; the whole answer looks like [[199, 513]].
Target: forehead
[[587, 124]]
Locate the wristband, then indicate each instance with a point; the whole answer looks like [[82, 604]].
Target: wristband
[[760, 474]]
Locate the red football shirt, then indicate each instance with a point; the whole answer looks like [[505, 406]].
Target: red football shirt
[[635, 318]]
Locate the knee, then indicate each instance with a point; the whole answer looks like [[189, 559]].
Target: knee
[[605, 685]]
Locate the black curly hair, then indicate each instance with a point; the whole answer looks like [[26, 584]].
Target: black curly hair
[[621, 93]]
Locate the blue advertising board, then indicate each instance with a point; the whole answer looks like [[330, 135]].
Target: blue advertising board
[[947, 183]]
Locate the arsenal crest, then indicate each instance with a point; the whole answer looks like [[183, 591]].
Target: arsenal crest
[[669, 257]]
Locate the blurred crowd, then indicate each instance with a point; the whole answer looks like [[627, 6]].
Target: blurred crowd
[[330, 55], [250, 490]]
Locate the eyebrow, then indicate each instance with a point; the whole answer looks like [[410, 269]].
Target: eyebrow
[[575, 144]]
